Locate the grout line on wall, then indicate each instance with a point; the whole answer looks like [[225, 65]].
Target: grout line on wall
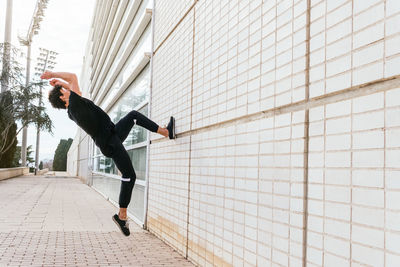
[[258, 239], [351, 130], [324, 190], [306, 135], [190, 138], [274, 123], [385, 213]]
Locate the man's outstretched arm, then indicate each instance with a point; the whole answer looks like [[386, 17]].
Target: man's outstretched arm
[[70, 78], [66, 76]]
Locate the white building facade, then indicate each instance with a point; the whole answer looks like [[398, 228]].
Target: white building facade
[[116, 76], [288, 122]]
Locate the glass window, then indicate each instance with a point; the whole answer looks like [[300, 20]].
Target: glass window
[[111, 187], [133, 28], [138, 158], [98, 152], [135, 97], [109, 166], [136, 207], [126, 72], [96, 164], [99, 165], [108, 186], [126, 41], [138, 134], [137, 93]]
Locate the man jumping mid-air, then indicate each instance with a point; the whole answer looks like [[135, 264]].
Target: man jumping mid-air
[[106, 135]]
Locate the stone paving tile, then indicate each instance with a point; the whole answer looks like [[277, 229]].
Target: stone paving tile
[[62, 222]]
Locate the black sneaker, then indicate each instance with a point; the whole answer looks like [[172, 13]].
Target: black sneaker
[[171, 128], [122, 224]]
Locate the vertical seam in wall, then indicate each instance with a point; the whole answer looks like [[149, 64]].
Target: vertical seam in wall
[[274, 133], [190, 138], [351, 174], [324, 121], [258, 138], [384, 137], [351, 134], [291, 134], [306, 135]]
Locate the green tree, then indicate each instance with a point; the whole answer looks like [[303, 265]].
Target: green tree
[[7, 159], [41, 165], [30, 161], [7, 134], [29, 158], [17, 157], [60, 156], [20, 104]]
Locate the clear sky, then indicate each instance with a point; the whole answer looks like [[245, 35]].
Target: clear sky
[[64, 29]]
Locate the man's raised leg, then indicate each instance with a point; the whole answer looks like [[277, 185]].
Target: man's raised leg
[[124, 126]]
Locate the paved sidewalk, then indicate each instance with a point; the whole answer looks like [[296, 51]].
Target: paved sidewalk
[[62, 222]]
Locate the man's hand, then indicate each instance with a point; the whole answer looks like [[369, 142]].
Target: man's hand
[[46, 75]]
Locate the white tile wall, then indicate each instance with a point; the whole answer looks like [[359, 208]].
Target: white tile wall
[[225, 195], [172, 77], [246, 176], [169, 175], [282, 53], [358, 184], [168, 191], [281, 187], [354, 43], [168, 16]]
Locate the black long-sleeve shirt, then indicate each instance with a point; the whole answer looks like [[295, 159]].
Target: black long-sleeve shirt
[[92, 119]]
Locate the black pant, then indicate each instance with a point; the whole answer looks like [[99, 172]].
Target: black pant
[[120, 155]]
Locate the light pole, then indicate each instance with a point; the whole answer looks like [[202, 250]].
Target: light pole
[[34, 27], [45, 62], [7, 48]]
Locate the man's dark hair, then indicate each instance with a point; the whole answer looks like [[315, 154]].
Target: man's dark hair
[[54, 97]]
